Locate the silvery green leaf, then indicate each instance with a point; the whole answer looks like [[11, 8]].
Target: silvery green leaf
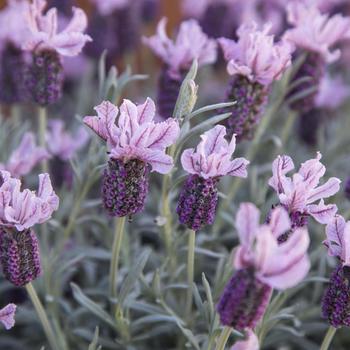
[[94, 344]]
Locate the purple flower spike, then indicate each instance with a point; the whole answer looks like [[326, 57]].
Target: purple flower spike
[[206, 164], [25, 157], [262, 264], [297, 194], [19, 256], [190, 44], [254, 61], [136, 146], [315, 34], [7, 316]]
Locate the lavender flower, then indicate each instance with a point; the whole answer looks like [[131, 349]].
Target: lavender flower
[[19, 211], [251, 342], [25, 157], [336, 301], [210, 161], [298, 193], [190, 44], [44, 76], [254, 61], [136, 146], [315, 34], [262, 264], [12, 60], [7, 316]]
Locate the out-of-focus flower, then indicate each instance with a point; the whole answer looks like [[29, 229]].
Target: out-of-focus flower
[[25, 157], [135, 145], [47, 45], [314, 34], [250, 343], [210, 161], [62, 144], [262, 264], [298, 193], [12, 61], [105, 7], [335, 303], [7, 316], [19, 211], [254, 61], [190, 44]]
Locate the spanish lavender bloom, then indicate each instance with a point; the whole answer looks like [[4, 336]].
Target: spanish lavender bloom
[[314, 34], [62, 146], [206, 165], [261, 265], [25, 157], [255, 62], [326, 101], [298, 193], [19, 211], [250, 343], [115, 27], [136, 146], [44, 75], [336, 301], [7, 316], [13, 33], [190, 44], [347, 188]]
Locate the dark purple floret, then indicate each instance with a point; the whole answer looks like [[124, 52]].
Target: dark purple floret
[[243, 301], [125, 186], [168, 91], [347, 188], [336, 300], [19, 256], [251, 100], [44, 77], [197, 203], [11, 74], [314, 68]]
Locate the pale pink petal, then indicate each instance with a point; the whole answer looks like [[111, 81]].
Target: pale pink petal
[[251, 342], [312, 171], [326, 190], [78, 22], [128, 120], [279, 221], [70, 44], [164, 134], [7, 316], [238, 167], [49, 199], [334, 232], [345, 256], [247, 223], [214, 140], [159, 161], [280, 167], [321, 212], [146, 111], [188, 162]]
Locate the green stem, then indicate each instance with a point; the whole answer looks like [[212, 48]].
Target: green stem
[[328, 338], [190, 272], [51, 337], [42, 136], [117, 243], [225, 334]]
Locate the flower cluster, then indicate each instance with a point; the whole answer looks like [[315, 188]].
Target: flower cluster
[[299, 193], [261, 264], [190, 44], [7, 315], [206, 165], [136, 145], [255, 62]]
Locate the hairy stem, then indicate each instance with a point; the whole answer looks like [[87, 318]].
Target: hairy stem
[[225, 334], [190, 271], [42, 136], [328, 338]]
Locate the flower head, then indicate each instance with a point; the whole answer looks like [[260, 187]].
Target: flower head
[[255, 55], [13, 24], [280, 266], [190, 44], [25, 157], [24, 209], [106, 7], [251, 342], [62, 144], [316, 32], [326, 98], [212, 158], [136, 135], [7, 315], [44, 31], [298, 193]]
